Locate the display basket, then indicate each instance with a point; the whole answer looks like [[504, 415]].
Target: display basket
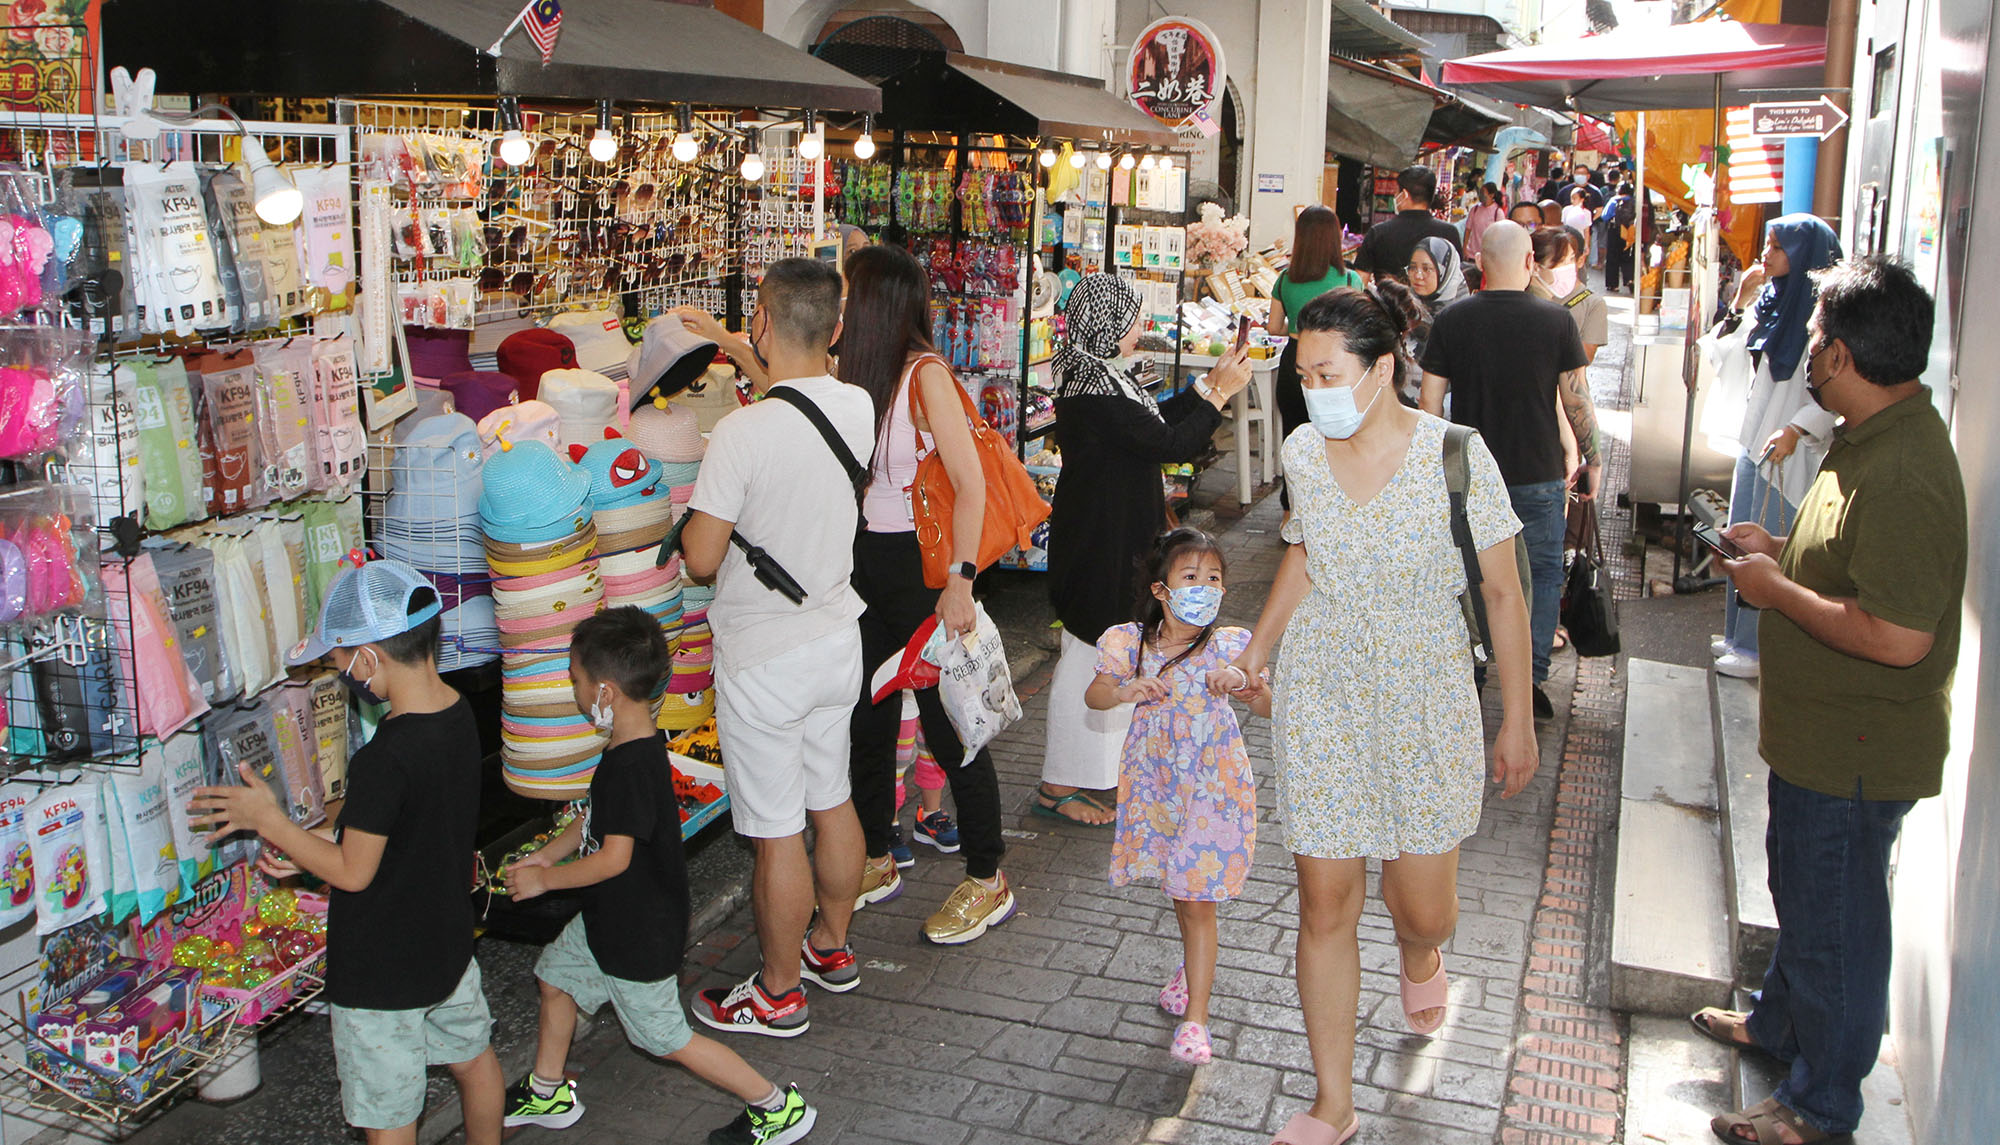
[[223, 908], [53, 1080]]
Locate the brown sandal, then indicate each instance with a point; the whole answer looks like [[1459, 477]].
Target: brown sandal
[[1763, 1121], [1715, 1024]]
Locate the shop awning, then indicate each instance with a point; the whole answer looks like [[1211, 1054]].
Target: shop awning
[[632, 51], [1466, 121], [966, 95], [1652, 69], [1359, 31], [1376, 115]]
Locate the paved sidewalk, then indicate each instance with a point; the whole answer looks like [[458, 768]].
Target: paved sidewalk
[[1046, 1030]]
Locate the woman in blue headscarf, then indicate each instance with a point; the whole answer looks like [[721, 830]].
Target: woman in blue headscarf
[[1784, 432]]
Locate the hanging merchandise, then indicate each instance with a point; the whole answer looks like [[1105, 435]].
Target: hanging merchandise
[[187, 578], [326, 235], [239, 242], [142, 840], [17, 862], [169, 693], [107, 461], [83, 706], [31, 269], [235, 472], [182, 772], [67, 837], [338, 442], [167, 440], [43, 387], [100, 296], [284, 415], [180, 285]]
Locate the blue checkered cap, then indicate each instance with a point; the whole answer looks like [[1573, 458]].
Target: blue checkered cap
[[373, 602]]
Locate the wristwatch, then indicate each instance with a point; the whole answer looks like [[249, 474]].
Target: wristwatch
[[966, 569]]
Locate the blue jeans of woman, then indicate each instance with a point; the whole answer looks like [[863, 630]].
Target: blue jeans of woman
[[1751, 498], [1544, 510], [1826, 994]]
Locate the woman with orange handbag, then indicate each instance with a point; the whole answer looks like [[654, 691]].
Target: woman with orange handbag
[[1110, 503], [885, 348]]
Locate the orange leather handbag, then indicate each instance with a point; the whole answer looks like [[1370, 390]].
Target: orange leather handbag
[[1013, 506]]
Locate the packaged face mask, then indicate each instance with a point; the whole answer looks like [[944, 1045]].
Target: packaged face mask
[[183, 292], [239, 604], [66, 835], [169, 694], [233, 218], [223, 238], [83, 706], [187, 580], [182, 773], [17, 862], [338, 443], [298, 755], [284, 411], [168, 452], [120, 896], [141, 824], [251, 554], [326, 234], [100, 293], [108, 462], [330, 733], [229, 387], [282, 585], [229, 736]]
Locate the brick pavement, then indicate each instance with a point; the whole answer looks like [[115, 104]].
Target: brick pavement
[[1046, 1029]]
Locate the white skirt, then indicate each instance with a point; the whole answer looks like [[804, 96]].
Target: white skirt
[[1084, 746]]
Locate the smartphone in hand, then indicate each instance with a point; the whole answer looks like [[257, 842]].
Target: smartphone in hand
[[1712, 537], [1242, 331]]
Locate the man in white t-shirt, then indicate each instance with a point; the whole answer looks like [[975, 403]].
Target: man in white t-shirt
[[787, 673]]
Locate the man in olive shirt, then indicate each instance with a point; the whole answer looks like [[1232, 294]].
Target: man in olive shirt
[[1861, 634]]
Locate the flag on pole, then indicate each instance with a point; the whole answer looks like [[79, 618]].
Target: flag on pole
[[544, 19]]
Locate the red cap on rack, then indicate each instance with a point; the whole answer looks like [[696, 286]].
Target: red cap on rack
[[528, 354]]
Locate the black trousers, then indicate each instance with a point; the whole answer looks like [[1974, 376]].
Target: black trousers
[[1290, 398], [889, 575]]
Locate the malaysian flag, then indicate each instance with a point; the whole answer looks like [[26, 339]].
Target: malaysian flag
[[544, 20]]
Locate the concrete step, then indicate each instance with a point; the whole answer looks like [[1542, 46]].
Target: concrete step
[[1675, 1080], [1745, 812], [1670, 933]]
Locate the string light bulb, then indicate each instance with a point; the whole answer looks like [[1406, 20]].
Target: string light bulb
[[687, 145], [1076, 160], [515, 150], [1047, 157], [1126, 162], [603, 143], [1146, 162], [1104, 160], [811, 144], [864, 147], [753, 158]]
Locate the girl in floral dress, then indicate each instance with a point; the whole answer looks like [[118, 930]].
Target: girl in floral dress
[[1187, 804]]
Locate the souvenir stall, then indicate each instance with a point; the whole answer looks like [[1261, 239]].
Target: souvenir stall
[[240, 355]]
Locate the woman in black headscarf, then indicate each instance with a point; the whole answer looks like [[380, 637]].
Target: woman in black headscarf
[[1109, 505]]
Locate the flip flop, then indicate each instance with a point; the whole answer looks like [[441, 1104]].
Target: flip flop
[[1053, 809], [1706, 1022], [1174, 996], [1434, 994], [1305, 1129], [1764, 1120]]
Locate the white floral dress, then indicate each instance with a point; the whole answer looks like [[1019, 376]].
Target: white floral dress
[[1380, 745]]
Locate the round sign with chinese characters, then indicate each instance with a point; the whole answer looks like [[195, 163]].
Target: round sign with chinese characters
[[1176, 72]]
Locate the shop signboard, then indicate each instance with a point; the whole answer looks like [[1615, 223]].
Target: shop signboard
[[1176, 73], [1820, 119], [46, 63]]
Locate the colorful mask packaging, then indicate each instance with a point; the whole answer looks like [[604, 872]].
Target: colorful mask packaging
[[338, 441], [108, 462], [229, 385], [140, 824], [222, 236], [168, 448], [83, 706], [187, 580], [284, 418], [68, 840], [182, 770], [329, 707], [298, 755], [233, 213], [283, 585], [240, 607], [326, 235], [184, 291], [121, 896], [17, 862], [169, 693], [231, 736]]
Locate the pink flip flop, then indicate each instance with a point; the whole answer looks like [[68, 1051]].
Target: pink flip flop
[[1191, 1044], [1434, 994], [1174, 995], [1305, 1129]]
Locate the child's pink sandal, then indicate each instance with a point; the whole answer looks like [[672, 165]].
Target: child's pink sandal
[[1174, 996], [1434, 994], [1191, 1044]]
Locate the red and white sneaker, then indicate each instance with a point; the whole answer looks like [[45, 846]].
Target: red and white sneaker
[[834, 970], [746, 1009]]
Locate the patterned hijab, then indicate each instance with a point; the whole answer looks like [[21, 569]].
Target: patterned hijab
[[1101, 308], [1451, 276]]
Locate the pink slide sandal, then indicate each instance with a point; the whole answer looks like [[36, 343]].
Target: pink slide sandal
[[1305, 1129], [1434, 994]]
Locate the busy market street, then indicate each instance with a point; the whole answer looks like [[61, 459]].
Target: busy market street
[[976, 572]]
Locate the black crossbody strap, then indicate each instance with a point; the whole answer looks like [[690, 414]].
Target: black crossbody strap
[[1457, 479], [857, 473]]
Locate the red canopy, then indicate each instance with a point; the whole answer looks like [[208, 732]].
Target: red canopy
[[1652, 69]]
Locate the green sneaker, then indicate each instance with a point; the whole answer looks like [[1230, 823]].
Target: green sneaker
[[788, 1123], [559, 1110]]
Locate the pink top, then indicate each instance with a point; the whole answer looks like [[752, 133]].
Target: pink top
[[1476, 221], [886, 504]]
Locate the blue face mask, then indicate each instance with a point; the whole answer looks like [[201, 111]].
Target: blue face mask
[[1332, 411], [1196, 604]]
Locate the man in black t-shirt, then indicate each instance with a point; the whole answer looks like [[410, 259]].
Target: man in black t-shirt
[[401, 981], [626, 946], [1386, 249], [1509, 361]]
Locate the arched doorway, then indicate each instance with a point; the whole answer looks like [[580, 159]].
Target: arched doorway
[[876, 47]]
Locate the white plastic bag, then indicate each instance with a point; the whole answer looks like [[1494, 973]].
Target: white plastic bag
[[975, 683]]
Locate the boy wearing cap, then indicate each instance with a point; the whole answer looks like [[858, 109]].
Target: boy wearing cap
[[626, 946], [401, 980], [787, 673]]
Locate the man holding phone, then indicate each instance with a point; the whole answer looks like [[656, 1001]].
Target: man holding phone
[[1859, 640]]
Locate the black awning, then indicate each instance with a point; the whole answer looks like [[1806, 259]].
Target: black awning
[[1464, 121], [965, 95], [632, 51]]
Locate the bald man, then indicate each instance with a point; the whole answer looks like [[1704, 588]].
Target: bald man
[[1510, 361]]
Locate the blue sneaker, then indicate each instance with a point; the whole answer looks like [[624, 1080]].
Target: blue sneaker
[[938, 830], [900, 850]]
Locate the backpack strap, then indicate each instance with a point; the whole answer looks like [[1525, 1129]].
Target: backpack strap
[[1457, 479], [857, 473]]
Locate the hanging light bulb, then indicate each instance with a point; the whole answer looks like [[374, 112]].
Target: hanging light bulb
[[1076, 160], [753, 157], [1104, 160], [277, 198], [687, 145], [603, 144], [1146, 162], [1047, 157], [811, 144], [864, 147], [1126, 162], [515, 149]]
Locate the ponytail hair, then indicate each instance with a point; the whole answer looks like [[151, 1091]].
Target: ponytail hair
[[1371, 322], [1149, 610]]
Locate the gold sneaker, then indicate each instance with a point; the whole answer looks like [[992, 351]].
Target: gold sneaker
[[878, 883], [970, 910]]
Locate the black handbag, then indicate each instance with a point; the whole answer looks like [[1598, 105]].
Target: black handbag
[[1588, 610]]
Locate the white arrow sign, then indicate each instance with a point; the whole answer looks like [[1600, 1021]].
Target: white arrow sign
[[1821, 118]]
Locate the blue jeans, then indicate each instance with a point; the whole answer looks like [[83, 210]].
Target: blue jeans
[[1826, 995], [1748, 493], [1544, 512]]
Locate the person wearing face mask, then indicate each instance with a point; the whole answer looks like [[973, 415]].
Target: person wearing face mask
[[1559, 278], [1508, 359], [1760, 407], [401, 980], [1380, 744], [1862, 609], [1109, 505]]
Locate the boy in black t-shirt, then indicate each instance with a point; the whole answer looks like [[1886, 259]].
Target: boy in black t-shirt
[[401, 980], [625, 947]]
